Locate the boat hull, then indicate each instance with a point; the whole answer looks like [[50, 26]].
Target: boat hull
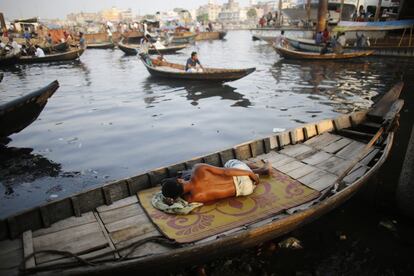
[[18, 114], [210, 36], [292, 54], [9, 60], [67, 56], [133, 50], [106, 45]]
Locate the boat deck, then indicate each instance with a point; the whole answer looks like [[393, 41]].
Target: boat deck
[[109, 229]]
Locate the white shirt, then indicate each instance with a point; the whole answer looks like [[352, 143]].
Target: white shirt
[[39, 52], [108, 31], [342, 40]]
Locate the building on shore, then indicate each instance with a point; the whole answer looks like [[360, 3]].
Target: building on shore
[[209, 12], [232, 13]]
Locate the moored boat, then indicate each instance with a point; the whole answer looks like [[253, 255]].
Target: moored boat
[[210, 35], [183, 38], [65, 56], [21, 112], [101, 45], [60, 47], [165, 69], [133, 49], [110, 229], [285, 52]]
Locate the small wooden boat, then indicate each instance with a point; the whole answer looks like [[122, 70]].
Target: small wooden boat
[[105, 230], [21, 112], [9, 59], [165, 69], [304, 44], [285, 52], [183, 38], [101, 45], [210, 35], [133, 49], [66, 56]]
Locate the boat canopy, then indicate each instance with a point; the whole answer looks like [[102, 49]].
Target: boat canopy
[[346, 26]]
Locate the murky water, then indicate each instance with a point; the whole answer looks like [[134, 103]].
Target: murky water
[[110, 119]]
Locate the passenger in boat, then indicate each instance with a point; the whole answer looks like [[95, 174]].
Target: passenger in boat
[[14, 46], [49, 39], [192, 62], [82, 43], [109, 33], [208, 183], [341, 39], [280, 39], [39, 52], [318, 38], [325, 36]]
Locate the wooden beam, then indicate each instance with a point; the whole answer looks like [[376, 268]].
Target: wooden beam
[[322, 11], [378, 11], [28, 248], [402, 37]]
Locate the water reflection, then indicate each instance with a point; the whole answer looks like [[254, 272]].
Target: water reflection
[[195, 91]]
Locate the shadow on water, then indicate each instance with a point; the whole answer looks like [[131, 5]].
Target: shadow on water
[[198, 90]]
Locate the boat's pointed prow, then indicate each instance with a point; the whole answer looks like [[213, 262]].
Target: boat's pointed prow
[[384, 104]]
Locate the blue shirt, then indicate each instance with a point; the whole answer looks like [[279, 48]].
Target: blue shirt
[[191, 63]]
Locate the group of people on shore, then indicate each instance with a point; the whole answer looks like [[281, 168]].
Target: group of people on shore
[[268, 20]]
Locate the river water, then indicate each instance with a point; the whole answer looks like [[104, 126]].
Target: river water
[[109, 119]]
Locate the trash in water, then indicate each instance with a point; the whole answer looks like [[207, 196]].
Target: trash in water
[[388, 225], [276, 129], [291, 242]]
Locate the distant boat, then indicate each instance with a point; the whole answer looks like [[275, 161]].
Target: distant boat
[[101, 45], [285, 52], [165, 69], [21, 112], [133, 49], [210, 35]]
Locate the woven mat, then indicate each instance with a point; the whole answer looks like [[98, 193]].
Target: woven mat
[[273, 195]]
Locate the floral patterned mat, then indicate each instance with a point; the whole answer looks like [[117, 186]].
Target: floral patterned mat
[[273, 195]]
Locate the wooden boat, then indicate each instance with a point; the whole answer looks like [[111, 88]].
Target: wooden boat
[[285, 52], [66, 56], [165, 69], [9, 59], [21, 112], [304, 44], [183, 38], [210, 35], [108, 231], [132, 49], [101, 45]]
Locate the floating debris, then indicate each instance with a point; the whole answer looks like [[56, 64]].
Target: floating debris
[[291, 243]]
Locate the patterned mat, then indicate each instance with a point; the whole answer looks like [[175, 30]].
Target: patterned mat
[[273, 195]]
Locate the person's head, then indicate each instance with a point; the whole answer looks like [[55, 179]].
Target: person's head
[[49, 34], [282, 32], [37, 46], [171, 188], [194, 55]]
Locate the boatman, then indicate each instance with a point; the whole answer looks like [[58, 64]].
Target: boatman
[[191, 65], [208, 183]]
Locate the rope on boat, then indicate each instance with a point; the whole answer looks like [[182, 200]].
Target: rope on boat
[[90, 261]]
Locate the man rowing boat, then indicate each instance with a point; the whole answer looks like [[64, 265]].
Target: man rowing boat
[[208, 183]]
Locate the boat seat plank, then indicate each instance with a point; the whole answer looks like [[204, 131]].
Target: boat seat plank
[[385, 103], [66, 223], [133, 232], [301, 171], [317, 158], [368, 158], [118, 204], [324, 182], [28, 248], [337, 146], [127, 222], [78, 244], [289, 166], [351, 150], [334, 165], [312, 177], [121, 213], [323, 140], [296, 150], [145, 249]]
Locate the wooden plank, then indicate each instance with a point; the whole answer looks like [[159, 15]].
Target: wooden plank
[[174, 169], [358, 117], [355, 174], [296, 150], [226, 155], [337, 146], [279, 160], [318, 179], [118, 204], [13, 258], [342, 122], [273, 142], [132, 232], [351, 150], [283, 139], [105, 233], [324, 126], [301, 171], [138, 183], [157, 175], [296, 135], [323, 140], [117, 190], [385, 103], [289, 166], [365, 161], [310, 131], [121, 213], [257, 147], [353, 134], [127, 222], [212, 159], [144, 249], [65, 224], [317, 157], [8, 246], [242, 152], [28, 249], [334, 165]]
